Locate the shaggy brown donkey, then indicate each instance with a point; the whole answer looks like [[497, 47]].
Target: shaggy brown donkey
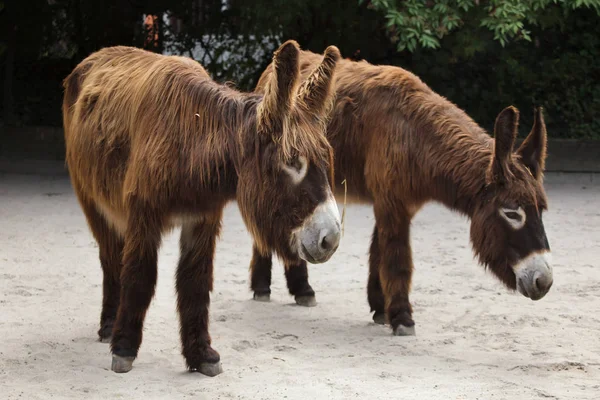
[[399, 145], [153, 142]]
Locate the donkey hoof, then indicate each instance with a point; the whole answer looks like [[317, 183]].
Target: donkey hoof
[[402, 330], [121, 364], [210, 369], [306, 301], [379, 318], [262, 297]]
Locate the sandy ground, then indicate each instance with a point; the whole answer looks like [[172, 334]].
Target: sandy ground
[[474, 339]]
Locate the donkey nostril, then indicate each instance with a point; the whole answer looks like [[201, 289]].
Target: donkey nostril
[[325, 245], [329, 240], [538, 285], [542, 283]]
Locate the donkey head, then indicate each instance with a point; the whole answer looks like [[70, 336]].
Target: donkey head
[[507, 230], [284, 187]]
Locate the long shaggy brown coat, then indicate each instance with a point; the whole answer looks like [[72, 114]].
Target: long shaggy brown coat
[[153, 142]]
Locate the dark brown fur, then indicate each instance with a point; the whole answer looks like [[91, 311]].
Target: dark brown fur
[[152, 142], [399, 145]]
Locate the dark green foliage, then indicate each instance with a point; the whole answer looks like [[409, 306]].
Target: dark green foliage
[[416, 24], [557, 69]]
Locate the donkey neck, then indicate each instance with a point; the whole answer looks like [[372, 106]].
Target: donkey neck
[[455, 155], [225, 123]]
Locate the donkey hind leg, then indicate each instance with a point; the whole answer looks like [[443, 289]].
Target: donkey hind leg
[[260, 275], [296, 276], [194, 282], [110, 248], [138, 282], [395, 269], [110, 259], [374, 291]]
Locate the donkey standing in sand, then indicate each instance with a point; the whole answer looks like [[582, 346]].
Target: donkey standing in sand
[[153, 142], [399, 145]]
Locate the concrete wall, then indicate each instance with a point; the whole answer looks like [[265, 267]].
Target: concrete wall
[[567, 155], [32, 142], [38, 148]]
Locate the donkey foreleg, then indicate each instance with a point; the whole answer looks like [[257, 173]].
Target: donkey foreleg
[[260, 275], [296, 276], [194, 282]]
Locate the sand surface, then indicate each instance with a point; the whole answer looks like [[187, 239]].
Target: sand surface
[[475, 340]]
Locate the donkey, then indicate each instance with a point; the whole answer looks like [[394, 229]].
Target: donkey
[[152, 142], [399, 145]]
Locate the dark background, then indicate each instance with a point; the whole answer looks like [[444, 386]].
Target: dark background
[[482, 55]]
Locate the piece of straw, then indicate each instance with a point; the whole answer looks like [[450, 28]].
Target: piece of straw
[[344, 210]]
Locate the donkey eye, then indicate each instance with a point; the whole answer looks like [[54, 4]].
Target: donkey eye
[[514, 217]]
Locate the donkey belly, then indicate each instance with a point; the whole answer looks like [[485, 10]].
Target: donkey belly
[[348, 196], [116, 219], [350, 184]]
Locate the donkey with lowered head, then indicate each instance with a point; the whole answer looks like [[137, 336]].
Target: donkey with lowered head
[[399, 145]]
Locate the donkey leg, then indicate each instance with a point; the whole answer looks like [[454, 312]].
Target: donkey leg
[[395, 269], [110, 259], [296, 276], [110, 248], [138, 282], [260, 275], [374, 291], [194, 282]]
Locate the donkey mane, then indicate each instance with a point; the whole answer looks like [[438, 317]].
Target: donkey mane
[[175, 96], [463, 151]]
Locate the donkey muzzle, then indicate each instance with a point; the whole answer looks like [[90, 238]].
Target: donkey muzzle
[[319, 237], [534, 275]]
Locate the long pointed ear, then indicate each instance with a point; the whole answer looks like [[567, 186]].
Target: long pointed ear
[[505, 133], [533, 149], [280, 90], [316, 92]]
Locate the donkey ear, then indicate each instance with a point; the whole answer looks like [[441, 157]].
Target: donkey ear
[[316, 92], [533, 149], [505, 133], [279, 92]]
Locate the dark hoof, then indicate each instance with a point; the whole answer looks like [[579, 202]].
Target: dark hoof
[[262, 297], [306, 301], [402, 330], [207, 361], [121, 364], [379, 318], [210, 369]]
